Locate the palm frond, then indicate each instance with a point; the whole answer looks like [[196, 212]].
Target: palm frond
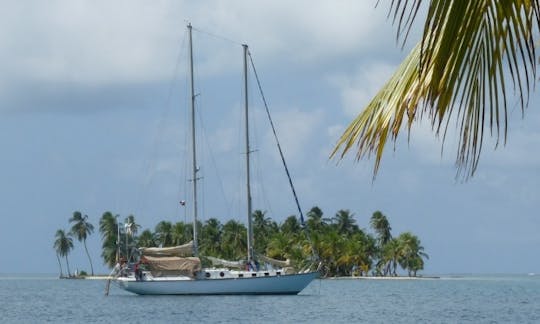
[[472, 54]]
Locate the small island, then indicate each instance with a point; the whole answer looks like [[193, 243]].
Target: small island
[[341, 246]]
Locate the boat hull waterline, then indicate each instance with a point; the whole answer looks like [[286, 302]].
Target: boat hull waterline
[[291, 284]]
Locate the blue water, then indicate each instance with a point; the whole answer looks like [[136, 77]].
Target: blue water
[[481, 299]]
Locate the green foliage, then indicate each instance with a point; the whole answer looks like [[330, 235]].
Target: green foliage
[[63, 244], [81, 229], [343, 247], [109, 229]]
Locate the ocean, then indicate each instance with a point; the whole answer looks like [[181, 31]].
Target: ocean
[[449, 299]]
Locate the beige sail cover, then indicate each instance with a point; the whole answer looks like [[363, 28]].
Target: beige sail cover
[[227, 263], [178, 251], [274, 262], [171, 266]]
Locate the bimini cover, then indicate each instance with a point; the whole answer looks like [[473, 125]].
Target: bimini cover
[[172, 266], [178, 251]]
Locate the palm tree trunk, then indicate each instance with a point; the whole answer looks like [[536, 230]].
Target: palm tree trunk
[[86, 249], [387, 269], [59, 265], [67, 262]]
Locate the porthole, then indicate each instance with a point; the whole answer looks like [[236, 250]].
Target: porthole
[[207, 275], [221, 274]]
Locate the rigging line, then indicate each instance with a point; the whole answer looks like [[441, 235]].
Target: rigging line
[[277, 141], [213, 160], [262, 181], [150, 163], [172, 85], [217, 36], [257, 166], [315, 254]]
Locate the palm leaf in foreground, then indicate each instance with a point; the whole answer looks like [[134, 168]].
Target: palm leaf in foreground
[[470, 53]]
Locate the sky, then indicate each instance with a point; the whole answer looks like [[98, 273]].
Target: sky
[[93, 117]]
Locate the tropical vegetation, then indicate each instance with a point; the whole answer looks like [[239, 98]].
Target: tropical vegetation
[[63, 244], [338, 243], [81, 228], [472, 59]]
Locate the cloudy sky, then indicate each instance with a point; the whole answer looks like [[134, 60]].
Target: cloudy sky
[[93, 118]]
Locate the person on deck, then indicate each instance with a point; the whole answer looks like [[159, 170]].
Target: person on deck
[[138, 271]]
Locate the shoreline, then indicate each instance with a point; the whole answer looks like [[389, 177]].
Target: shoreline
[[9, 276], [384, 278], [106, 277]]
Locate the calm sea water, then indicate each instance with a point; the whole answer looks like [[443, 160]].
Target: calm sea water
[[481, 299]]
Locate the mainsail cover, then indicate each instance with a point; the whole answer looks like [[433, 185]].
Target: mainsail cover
[[173, 251], [274, 262], [168, 266], [227, 263]]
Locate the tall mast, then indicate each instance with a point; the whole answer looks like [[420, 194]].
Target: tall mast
[[248, 187], [193, 153]]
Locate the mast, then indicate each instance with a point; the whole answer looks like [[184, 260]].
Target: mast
[[193, 153], [248, 187]]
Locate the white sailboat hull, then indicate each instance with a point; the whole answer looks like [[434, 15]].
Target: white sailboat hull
[[290, 284]]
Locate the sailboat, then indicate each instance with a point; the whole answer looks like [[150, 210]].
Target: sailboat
[[178, 271]]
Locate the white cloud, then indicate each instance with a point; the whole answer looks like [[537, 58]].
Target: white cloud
[[522, 136], [296, 130], [102, 42], [521, 149], [311, 30], [358, 89], [77, 41]]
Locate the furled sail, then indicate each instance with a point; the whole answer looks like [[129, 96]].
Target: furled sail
[[170, 266], [173, 251], [274, 262], [227, 263]]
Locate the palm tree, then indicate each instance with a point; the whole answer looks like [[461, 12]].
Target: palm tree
[[412, 253], [362, 248], [108, 227], [163, 232], [81, 229], [59, 265], [131, 229], [391, 254], [381, 226], [350, 256], [263, 227], [472, 55], [345, 222], [279, 246], [291, 226], [146, 239], [179, 233], [63, 244], [211, 238], [234, 243], [330, 250], [315, 222]]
